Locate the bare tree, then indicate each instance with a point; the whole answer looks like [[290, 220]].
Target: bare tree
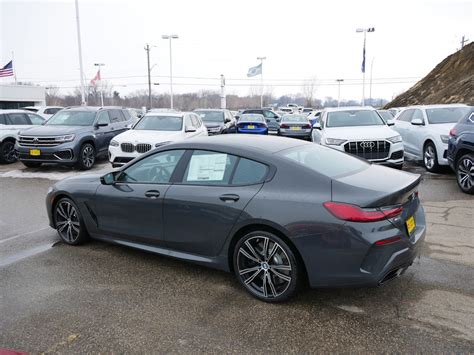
[[309, 91], [52, 96]]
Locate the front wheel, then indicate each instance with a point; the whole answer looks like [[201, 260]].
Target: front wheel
[[266, 267], [465, 173], [86, 157], [68, 222], [7, 152], [430, 158]]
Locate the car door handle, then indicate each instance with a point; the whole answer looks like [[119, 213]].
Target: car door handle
[[229, 198], [152, 194]]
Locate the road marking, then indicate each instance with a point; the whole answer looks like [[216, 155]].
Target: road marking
[[21, 235], [25, 254]]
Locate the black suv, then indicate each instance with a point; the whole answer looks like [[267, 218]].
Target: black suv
[[273, 119], [217, 121], [461, 152], [73, 136]]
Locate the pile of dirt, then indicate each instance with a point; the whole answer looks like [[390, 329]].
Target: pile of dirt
[[451, 81]]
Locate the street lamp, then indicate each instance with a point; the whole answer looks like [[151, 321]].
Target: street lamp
[[101, 91], [339, 81], [261, 59], [170, 37], [364, 31]]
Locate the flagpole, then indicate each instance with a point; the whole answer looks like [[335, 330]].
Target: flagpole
[[83, 100], [261, 79], [363, 74], [13, 65]]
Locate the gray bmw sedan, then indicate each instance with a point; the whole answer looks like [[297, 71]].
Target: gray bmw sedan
[[275, 211]]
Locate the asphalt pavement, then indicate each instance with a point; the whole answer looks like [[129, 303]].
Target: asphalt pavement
[[105, 298]]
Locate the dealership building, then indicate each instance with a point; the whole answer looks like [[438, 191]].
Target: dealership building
[[18, 96]]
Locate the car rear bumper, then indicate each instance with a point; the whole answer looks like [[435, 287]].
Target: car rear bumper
[[253, 131], [290, 133], [118, 158]]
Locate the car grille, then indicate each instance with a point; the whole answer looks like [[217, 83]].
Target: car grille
[[30, 141], [370, 150], [140, 147]]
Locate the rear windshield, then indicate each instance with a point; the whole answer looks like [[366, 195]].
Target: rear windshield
[[160, 123], [251, 118], [211, 116], [72, 118], [321, 159], [354, 118], [294, 118], [446, 114]]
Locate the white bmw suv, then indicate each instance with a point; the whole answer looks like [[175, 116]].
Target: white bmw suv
[[153, 130], [425, 132], [359, 131]]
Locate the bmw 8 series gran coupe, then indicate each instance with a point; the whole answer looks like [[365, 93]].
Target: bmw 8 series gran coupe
[[275, 211]]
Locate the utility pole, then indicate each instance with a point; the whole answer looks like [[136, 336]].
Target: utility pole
[[261, 59], [147, 49], [83, 100], [464, 40], [370, 85], [223, 101], [339, 81]]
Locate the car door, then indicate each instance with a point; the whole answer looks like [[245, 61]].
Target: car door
[[188, 124], [103, 131], [131, 208], [415, 134], [402, 125], [119, 122], [200, 211]]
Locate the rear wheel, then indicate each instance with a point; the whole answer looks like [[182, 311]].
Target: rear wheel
[[430, 158], [266, 267], [7, 152], [465, 173], [31, 164], [68, 222], [86, 157]]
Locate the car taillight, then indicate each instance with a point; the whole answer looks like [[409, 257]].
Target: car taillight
[[284, 126], [356, 214], [388, 241], [452, 132], [306, 126]]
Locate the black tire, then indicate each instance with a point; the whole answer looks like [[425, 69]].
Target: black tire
[[398, 166], [86, 158], [465, 173], [271, 276], [430, 158], [69, 223], [7, 152], [31, 164]]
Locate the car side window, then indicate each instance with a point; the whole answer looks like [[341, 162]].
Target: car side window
[[195, 121], [417, 114], [116, 116], [406, 116], [127, 115], [103, 118], [249, 172], [209, 168], [157, 168], [18, 119], [188, 122], [51, 111], [3, 119], [35, 119]]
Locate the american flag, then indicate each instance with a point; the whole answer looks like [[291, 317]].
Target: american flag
[[7, 70]]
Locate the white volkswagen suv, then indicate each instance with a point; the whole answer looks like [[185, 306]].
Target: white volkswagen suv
[[359, 131], [425, 132], [153, 130]]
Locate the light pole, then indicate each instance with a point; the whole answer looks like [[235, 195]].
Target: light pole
[[261, 59], [370, 85], [78, 25], [170, 37], [101, 91], [364, 30], [339, 81]]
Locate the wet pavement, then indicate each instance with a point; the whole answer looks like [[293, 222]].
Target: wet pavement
[[105, 298]]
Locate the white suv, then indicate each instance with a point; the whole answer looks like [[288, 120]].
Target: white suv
[[44, 111], [153, 130], [359, 131], [11, 122], [425, 132]]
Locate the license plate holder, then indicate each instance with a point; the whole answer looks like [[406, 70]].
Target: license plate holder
[[295, 128], [411, 224], [251, 126], [35, 152]]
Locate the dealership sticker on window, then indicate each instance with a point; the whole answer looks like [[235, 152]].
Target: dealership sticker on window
[[208, 167]]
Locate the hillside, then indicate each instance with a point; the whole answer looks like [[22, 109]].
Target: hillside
[[451, 81]]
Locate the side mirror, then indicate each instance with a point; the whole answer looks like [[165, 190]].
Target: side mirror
[[227, 120], [237, 117], [101, 124], [417, 122], [108, 179], [317, 125], [190, 129], [390, 123]]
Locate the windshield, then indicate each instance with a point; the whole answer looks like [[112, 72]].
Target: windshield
[[211, 116], [321, 159], [72, 118], [446, 114], [386, 115], [353, 118], [160, 123], [251, 118], [294, 118]]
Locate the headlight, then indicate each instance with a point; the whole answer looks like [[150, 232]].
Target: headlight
[[162, 143], [395, 139], [64, 139], [335, 141], [444, 138], [114, 143]]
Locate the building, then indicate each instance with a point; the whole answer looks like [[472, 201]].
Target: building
[[17, 96]]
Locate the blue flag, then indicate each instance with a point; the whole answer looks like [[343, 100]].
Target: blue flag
[[255, 71], [363, 61]]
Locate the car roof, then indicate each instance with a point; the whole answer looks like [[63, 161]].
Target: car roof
[[210, 109], [16, 111], [349, 108], [436, 106]]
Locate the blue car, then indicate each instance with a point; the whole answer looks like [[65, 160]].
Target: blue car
[[461, 152], [252, 123]]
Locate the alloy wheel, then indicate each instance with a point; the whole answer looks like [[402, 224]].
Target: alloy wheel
[[88, 156], [429, 157], [466, 173], [8, 152], [67, 221], [264, 267]]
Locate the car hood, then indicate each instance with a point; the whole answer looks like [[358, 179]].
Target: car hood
[[55, 130], [360, 133], [152, 137], [441, 128]]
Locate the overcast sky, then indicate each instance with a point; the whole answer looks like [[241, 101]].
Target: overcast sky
[[301, 40]]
